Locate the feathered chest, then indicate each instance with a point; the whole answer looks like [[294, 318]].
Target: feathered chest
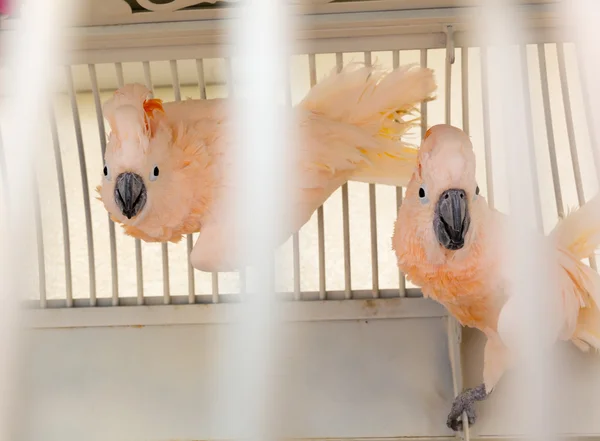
[[467, 285]]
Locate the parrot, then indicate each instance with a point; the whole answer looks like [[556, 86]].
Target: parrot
[[449, 242], [165, 164]]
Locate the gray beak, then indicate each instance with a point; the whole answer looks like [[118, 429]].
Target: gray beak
[[451, 220], [130, 194]]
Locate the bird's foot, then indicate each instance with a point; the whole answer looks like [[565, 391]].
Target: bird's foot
[[465, 403]]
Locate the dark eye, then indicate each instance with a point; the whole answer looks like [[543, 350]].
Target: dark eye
[[477, 190], [423, 194], [154, 173], [106, 172]]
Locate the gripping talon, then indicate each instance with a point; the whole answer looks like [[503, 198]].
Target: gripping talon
[[465, 403]]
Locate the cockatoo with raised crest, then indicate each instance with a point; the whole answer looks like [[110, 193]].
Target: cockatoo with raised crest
[[450, 243], [166, 163]]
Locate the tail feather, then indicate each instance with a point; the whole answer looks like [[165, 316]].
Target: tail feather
[[579, 231], [587, 332], [578, 234], [383, 105]]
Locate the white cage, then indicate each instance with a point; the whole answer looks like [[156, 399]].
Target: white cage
[[124, 341]]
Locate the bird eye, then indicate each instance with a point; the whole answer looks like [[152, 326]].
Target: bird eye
[[423, 195], [154, 174], [477, 190], [106, 172]]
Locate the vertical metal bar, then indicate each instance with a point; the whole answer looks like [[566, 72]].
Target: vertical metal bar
[[230, 86], [312, 67], [448, 71], [339, 62], [562, 70], [550, 130], [464, 85], [373, 220], [489, 170], [215, 287], [566, 96], [40, 244], [296, 263], [111, 224], [164, 246], [139, 269], [201, 81], [202, 87], [64, 214], [374, 255], [119, 73], [401, 277], [423, 103], [175, 80], [85, 186], [165, 271], [189, 238], [530, 140], [295, 235]]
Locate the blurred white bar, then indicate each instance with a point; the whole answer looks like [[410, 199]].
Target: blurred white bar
[[524, 266], [31, 50], [202, 87], [582, 17], [259, 202]]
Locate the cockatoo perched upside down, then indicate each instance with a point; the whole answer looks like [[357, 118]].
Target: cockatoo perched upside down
[[449, 242], [166, 164]]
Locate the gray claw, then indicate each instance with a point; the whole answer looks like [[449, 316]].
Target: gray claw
[[465, 403]]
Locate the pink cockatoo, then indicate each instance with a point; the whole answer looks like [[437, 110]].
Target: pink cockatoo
[[166, 164], [450, 243]]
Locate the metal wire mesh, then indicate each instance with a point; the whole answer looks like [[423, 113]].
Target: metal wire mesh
[[344, 250]]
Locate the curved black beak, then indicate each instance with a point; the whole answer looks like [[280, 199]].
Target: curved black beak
[[451, 220], [130, 194]]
